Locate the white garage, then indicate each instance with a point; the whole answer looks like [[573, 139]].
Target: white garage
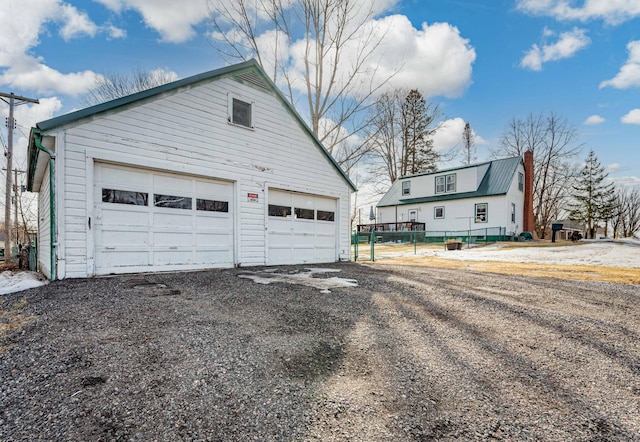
[[148, 221], [214, 170], [302, 228]]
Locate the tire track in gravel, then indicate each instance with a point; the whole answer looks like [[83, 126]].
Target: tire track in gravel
[[528, 367]]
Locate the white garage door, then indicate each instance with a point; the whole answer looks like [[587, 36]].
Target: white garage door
[[301, 228], [148, 221]]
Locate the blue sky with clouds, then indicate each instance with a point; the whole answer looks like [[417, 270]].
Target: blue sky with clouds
[[483, 61]]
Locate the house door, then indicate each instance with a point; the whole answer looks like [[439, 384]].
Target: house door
[[413, 215]]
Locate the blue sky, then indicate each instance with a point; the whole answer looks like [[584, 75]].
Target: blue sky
[[483, 61]]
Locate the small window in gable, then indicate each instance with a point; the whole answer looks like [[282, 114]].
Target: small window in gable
[[406, 187], [520, 182], [241, 113]]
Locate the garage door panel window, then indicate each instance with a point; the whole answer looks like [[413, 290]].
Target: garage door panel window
[[280, 211], [325, 215], [212, 205], [125, 197], [304, 213], [172, 201]]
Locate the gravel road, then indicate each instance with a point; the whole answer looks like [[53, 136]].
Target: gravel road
[[411, 353]]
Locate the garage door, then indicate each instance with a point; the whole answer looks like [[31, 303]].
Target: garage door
[[149, 221], [301, 228]]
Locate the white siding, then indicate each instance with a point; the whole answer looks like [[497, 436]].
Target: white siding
[[44, 226], [187, 132]]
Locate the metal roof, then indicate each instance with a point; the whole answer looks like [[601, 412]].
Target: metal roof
[[248, 71], [496, 181]]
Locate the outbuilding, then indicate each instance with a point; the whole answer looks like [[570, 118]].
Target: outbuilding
[[214, 170]]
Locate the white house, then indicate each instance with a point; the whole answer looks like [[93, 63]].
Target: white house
[[215, 170], [488, 196]]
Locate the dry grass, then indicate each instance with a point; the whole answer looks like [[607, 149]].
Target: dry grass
[[623, 275], [12, 318]]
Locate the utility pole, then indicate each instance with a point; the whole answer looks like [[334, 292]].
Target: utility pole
[[11, 124]]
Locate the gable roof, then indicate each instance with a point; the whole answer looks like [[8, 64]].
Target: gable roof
[[496, 181], [248, 71]]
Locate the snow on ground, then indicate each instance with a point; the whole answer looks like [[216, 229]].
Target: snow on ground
[[16, 281], [308, 278], [601, 252]]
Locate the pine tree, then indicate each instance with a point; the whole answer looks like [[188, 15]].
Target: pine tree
[[417, 118], [592, 195], [468, 143]]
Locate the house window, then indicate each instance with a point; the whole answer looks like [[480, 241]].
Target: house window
[[513, 213], [481, 212], [413, 216], [304, 213], [324, 215], [212, 205], [281, 211], [241, 113], [446, 183], [520, 182], [406, 188], [438, 212], [125, 197], [172, 201]]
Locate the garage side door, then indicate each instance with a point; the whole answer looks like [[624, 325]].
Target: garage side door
[[152, 221], [301, 228]]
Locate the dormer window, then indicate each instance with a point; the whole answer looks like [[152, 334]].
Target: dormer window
[[406, 188], [446, 183]]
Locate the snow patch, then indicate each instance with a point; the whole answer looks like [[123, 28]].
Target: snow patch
[[308, 278], [11, 282]]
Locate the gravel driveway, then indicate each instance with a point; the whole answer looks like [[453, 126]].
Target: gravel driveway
[[411, 353]]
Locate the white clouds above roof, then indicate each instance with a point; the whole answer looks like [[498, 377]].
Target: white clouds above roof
[[594, 120], [173, 20], [632, 117], [629, 75], [610, 11], [567, 45]]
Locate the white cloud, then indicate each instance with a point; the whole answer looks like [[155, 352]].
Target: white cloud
[[613, 167], [629, 75], [449, 135], [173, 20], [632, 117], [567, 45], [610, 11], [594, 120], [114, 32], [22, 25]]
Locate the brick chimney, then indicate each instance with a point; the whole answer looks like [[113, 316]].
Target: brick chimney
[[528, 225]]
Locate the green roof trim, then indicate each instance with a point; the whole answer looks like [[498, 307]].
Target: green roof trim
[[496, 181], [250, 65]]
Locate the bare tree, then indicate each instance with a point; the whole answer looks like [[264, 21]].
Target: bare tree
[[552, 140], [626, 222], [400, 136], [331, 65], [468, 144], [111, 86]]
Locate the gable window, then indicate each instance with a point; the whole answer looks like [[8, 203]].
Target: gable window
[[481, 212], [513, 213], [520, 182], [438, 212], [406, 188], [446, 183], [241, 113]]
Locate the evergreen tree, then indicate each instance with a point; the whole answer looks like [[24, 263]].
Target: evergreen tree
[[468, 143], [593, 197], [417, 118]]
